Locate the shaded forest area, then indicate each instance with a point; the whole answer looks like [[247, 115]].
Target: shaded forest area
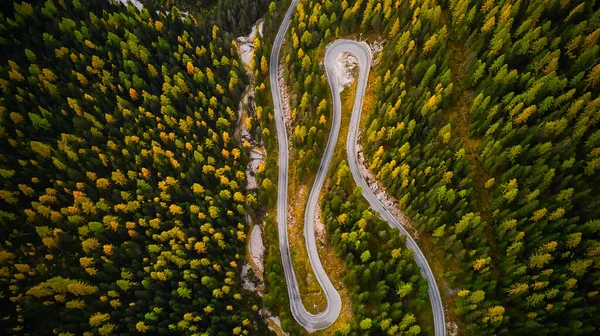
[[122, 193], [235, 16]]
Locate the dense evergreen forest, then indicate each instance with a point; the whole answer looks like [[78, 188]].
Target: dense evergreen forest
[[387, 287], [122, 193], [483, 122], [236, 16], [492, 148]]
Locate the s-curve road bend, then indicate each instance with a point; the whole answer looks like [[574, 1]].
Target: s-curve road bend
[[362, 52], [334, 302], [332, 311]]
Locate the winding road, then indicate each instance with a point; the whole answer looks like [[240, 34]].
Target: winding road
[[326, 318], [334, 302]]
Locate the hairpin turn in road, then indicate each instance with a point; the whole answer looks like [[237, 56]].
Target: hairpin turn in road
[[326, 318]]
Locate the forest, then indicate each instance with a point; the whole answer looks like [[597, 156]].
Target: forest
[[483, 124], [122, 194]]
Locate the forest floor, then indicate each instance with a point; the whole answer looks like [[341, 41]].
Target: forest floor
[[458, 114]]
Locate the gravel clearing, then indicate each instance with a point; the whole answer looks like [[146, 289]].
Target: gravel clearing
[[246, 43], [257, 249], [344, 66]]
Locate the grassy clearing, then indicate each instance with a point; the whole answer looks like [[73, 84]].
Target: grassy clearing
[[312, 295], [458, 115], [368, 101], [347, 97], [460, 118]]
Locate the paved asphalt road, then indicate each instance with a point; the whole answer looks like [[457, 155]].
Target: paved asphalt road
[[332, 311], [334, 302]]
